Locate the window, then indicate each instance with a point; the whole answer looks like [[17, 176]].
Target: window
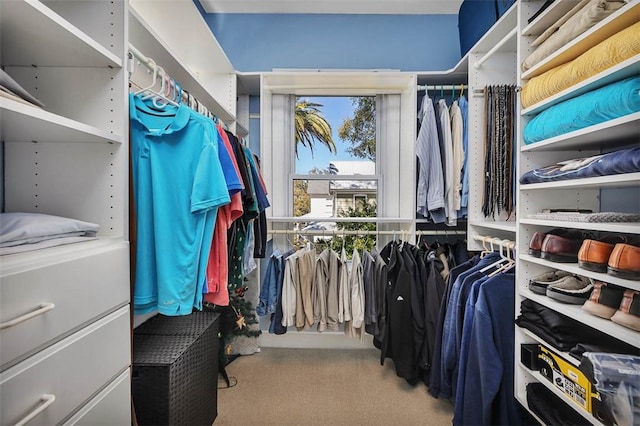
[[336, 184]]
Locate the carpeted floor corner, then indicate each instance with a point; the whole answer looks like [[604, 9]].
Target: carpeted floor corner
[[324, 387]]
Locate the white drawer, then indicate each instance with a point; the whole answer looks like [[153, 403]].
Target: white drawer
[[81, 286], [72, 370], [111, 407]]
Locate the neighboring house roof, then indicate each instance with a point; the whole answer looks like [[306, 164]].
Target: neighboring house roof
[[353, 168]]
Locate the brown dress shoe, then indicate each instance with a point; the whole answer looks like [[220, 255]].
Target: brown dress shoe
[[594, 255], [624, 262], [561, 249], [535, 243]]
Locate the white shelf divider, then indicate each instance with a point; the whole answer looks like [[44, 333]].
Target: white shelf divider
[[33, 34], [625, 228], [575, 269], [26, 123], [613, 181], [607, 134]]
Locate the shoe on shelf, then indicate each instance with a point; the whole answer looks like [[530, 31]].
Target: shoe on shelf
[[540, 283], [628, 315], [605, 300], [574, 289], [624, 262], [594, 255], [535, 243], [563, 249]]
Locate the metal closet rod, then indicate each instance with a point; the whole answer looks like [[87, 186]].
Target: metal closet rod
[[152, 66], [447, 87], [316, 232], [494, 240]]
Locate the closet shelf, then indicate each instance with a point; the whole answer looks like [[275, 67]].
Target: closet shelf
[[628, 68], [609, 134], [456, 75], [508, 226], [614, 181], [577, 313], [625, 228], [26, 123], [575, 269], [521, 396], [548, 18], [33, 34], [567, 357], [561, 395], [614, 23], [145, 39], [14, 263]]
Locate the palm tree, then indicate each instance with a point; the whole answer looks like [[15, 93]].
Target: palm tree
[[311, 126]]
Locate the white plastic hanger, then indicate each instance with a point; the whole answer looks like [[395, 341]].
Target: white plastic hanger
[[502, 259]]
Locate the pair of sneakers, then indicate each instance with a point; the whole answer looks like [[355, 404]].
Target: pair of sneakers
[[562, 286]]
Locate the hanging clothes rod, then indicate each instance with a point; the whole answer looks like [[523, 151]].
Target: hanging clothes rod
[[443, 87], [185, 96], [329, 233], [495, 48], [499, 242]]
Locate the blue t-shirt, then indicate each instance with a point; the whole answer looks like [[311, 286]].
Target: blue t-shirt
[[178, 186]]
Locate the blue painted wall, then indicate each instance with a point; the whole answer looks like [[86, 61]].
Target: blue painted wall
[[262, 42]]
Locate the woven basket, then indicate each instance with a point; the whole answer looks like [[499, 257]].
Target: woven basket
[[175, 370]]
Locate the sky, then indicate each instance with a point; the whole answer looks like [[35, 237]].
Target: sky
[[335, 110]]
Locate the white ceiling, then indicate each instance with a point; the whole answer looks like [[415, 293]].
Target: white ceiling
[[428, 7]]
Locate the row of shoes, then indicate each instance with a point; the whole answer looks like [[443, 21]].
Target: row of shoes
[[599, 298], [613, 255]]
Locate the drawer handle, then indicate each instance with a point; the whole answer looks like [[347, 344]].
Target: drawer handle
[[46, 400], [42, 308]]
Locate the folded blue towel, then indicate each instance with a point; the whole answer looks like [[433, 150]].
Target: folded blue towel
[[606, 103]]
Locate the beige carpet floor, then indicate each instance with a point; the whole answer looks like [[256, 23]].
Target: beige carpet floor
[[324, 387]]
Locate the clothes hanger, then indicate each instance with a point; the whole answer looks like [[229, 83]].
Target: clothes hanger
[[510, 262], [159, 99], [154, 78], [497, 262], [485, 249]]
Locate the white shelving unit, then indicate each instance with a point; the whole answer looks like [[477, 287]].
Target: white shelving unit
[[491, 61], [590, 193], [68, 159], [619, 20], [189, 52]]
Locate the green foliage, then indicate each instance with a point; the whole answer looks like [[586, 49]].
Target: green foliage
[[301, 199], [360, 130], [311, 126], [351, 242]]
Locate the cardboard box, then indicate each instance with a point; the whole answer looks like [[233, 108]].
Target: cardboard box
[[566, 377]]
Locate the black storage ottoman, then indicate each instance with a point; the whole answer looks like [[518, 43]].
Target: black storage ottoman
[[175, 370]]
